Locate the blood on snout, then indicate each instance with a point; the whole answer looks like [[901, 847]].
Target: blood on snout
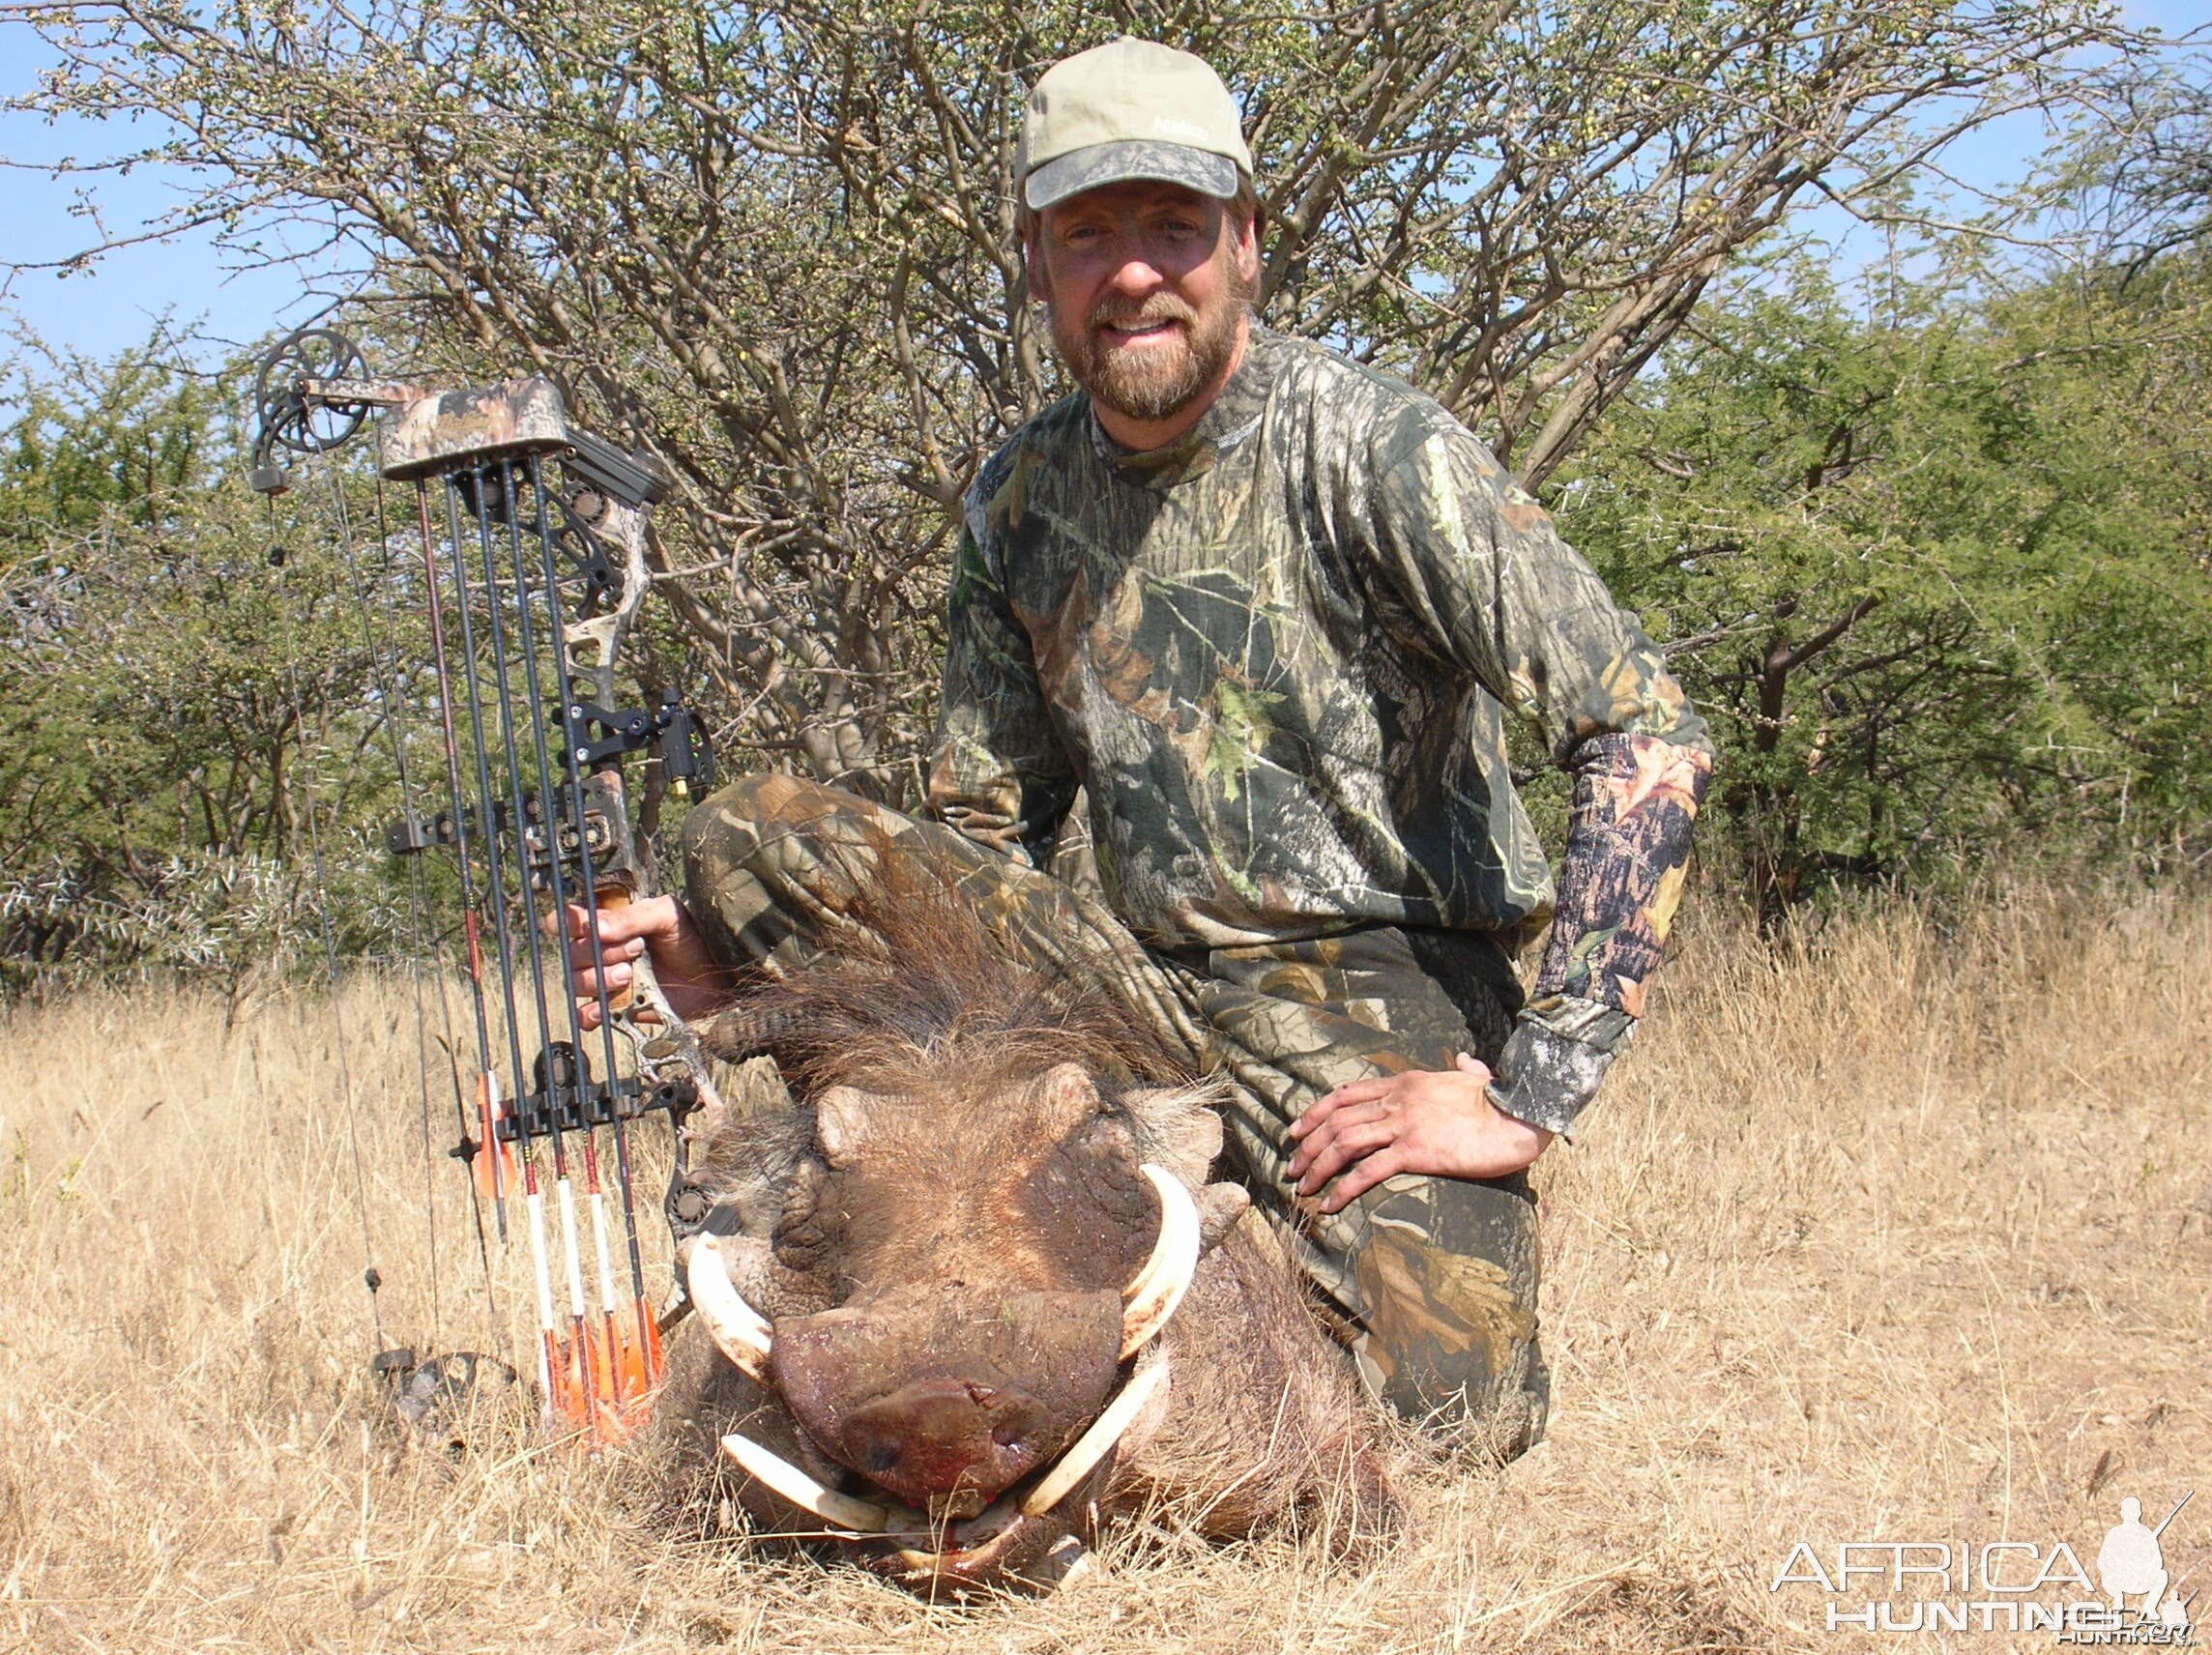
[[935, 1395]]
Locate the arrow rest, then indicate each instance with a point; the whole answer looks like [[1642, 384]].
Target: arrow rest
[[671, 732]]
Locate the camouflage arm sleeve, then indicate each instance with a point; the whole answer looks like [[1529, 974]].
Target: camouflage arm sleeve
[[1628, 846], [1503, 598], [997, 772]]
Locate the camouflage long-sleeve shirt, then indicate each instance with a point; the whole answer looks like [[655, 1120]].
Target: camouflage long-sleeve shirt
[[1277, 653]]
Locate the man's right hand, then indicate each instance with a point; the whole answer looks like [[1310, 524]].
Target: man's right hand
[[689, 974]]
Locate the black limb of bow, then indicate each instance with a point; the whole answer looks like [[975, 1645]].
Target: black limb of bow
[[536, 553]]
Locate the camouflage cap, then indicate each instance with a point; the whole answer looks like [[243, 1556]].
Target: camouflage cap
[[1127, 110]]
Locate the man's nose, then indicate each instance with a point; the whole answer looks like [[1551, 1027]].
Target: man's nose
[[1136, 275]]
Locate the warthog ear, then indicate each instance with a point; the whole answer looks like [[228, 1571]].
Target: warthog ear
[[746, 1161], [747, 1171], [1177, 1128], [840, 1123]]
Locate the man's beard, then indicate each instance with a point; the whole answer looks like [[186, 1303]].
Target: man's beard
[[1151, 382]]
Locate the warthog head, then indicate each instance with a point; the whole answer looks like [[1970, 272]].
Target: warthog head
[[950, 1262]]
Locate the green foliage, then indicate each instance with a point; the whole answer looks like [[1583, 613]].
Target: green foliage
[[1934, 567], [1938, 572], [778, 242], [82, 440], [189, 718]]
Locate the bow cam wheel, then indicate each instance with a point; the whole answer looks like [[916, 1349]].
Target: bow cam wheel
[[287, 416]]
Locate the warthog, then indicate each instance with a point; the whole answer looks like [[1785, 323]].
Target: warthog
[[972, 1293]]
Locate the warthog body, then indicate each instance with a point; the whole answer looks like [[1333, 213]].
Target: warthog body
[[933, 1253]]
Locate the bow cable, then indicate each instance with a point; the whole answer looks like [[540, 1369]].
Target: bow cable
[[388, 685], [497, 1172], [418, 909], [372, 1277]]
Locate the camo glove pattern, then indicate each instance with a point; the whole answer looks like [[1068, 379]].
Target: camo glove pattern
[[1628, 846]]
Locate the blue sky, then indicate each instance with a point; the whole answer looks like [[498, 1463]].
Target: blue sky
[[118, 303]]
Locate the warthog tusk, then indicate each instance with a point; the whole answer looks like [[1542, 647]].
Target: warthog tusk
[[1153, 1295], [864, 1517], [1091, 1446], [738, 1330], [964, 1542]]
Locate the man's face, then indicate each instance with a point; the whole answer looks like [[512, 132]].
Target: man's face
[[1149, 284]]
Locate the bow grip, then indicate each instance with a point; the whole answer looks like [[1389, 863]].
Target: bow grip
[[611, 898], [619, 871]]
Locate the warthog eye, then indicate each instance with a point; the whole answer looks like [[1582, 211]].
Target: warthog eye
[[799, 1245], [801, 1236]]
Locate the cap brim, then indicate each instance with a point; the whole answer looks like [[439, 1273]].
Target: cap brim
[[1073, 173]]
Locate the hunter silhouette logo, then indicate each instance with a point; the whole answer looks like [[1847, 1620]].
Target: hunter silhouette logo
[[2006, 1586], [2131, 1562]]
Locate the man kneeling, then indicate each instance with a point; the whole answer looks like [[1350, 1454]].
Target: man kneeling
[[1266, 608]]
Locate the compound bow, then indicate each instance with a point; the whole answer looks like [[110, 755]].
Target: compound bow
[[532, 541]]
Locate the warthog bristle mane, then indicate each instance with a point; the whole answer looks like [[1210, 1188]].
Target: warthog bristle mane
[[916, 985]]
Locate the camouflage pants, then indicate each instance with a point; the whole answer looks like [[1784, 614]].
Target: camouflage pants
[[1432, 1282]]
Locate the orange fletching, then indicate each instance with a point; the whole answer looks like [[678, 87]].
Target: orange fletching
[[494, 1165], [608, 1394]]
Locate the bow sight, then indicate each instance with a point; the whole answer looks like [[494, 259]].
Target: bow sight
[[532, 565]]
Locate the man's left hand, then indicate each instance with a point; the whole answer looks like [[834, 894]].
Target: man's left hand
[[1442, 1123]]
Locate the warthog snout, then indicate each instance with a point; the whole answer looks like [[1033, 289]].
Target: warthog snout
[[950, 1443], [941, 1398]]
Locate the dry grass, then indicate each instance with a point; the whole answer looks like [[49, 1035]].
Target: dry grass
[[1903, 1237]]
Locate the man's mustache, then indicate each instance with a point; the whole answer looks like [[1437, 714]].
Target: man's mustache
[[1160, 307]]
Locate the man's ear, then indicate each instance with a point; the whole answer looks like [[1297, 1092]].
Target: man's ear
[[1247, 249], [1033, 269]]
